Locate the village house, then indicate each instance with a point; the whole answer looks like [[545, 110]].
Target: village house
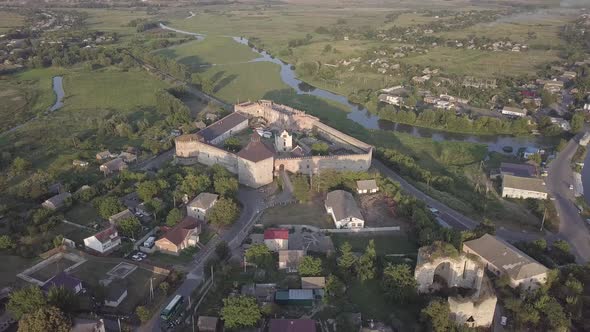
[[514, 111], [523, 187], [313, 282], [276, 239], [183, 235], [56, 201], [553, 86], [291, 325], [116, 293], [289, 259], [207, 324], [115, 165], [80, 163], [64, 280], [103, 155], [569, 75], [562, 123], [104, 241], [366, 187], [128, 157], [201, 205], [391, 100], [520, 170], [301, 297], [502, 258], [123, 215], [342, 206]]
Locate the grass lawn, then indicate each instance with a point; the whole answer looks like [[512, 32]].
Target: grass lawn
[[83, 214], [113, 20], [185, 257], [11, 266], [15, 105], [311, 213], [9, 20], [73, 233], [212, 50], [483, 63], [385, 243]]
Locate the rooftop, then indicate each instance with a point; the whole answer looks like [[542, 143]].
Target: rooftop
[[343, 205], [58, 199], [366, 184], [178, 233], [276, 233], [203, 200], [106, 234], [313, 282], [222, 126], [521, 170], [256, 150], [517, 182], [504, 256]]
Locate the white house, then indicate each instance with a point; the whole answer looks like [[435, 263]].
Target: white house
[[103, 241], [391, 100], [284, 142], [344, 211], [501, 258], [276, 239], [514, 111], [523, 187], [367, 187], [200, 205]]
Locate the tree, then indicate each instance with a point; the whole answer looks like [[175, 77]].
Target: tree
[[193, 185], [19, 165], [142, 313], [240, 312], [224, 212], [148, 190], [232, 144], [109, 206], [45, 319], [164, 287], [485, 227], [310, 266], [335, 290], [174, 216], [226, 186], [26, 301], [129, 227], [577, 122], [436, 316], [561, 145], [347, 259], [6, 242], [398, 282], [319, 149], [260, 255], [366, 264], [222, 250], [63, 298]]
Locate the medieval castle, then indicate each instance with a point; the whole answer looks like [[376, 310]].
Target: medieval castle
[[258, 162]]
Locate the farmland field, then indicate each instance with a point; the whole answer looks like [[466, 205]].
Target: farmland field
[[9, 20]]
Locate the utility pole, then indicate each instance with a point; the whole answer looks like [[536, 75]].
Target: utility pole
[[543, 221], [212, 280], [151, 288], [119, 322]]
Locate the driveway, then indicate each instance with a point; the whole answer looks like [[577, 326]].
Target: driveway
[[571, 228]]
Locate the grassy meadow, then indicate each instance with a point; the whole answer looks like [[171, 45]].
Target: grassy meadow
[[113, 20], [9, 20]]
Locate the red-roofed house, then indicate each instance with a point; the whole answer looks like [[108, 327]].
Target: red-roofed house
[[185, 234], [291, 325], [276, 239], [103, 241]]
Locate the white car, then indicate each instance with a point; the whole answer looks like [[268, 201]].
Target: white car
[[571, 187], [503, 320]]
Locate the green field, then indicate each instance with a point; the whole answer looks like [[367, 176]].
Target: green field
[[113, 20], [9, 20], [483, 63], [385, 243], [90, 97], [226, 65], [312, 213], [83, 214], [11, 266]]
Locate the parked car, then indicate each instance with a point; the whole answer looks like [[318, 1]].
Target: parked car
[[571, 187], [503, 320]]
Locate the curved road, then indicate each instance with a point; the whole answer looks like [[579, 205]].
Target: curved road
[[571, 228]]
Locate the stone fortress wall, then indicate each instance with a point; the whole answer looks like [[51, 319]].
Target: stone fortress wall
[[191, 148]]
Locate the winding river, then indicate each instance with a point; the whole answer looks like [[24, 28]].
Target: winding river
[[58, 89], [363, 117]]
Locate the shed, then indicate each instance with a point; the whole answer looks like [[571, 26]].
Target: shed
[[367, 186], [301, 297]]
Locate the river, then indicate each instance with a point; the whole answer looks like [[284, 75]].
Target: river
[[58, 89], [368, 120]]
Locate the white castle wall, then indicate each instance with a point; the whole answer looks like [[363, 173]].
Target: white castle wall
[[458, 272], [255, 174], [305, 165]]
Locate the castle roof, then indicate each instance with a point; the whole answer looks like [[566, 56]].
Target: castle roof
[[256, 150], [222, 126]]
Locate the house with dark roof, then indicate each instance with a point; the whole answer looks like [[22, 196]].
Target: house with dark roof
[[64, 280], [116, 293], [502, 258], [302, 297], [56, 201], [521, 170], [183, 235], [115, 165], [200, 205], [342, 206], [224, 128], [118, 217], [276, 238], [104, 241], [291, 325]]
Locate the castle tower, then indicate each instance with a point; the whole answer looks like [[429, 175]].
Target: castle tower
[[284, 142]]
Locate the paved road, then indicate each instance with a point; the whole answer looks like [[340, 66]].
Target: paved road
[[572, 227], [452, 217]]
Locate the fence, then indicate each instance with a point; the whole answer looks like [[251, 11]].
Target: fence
[[362, 230]]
